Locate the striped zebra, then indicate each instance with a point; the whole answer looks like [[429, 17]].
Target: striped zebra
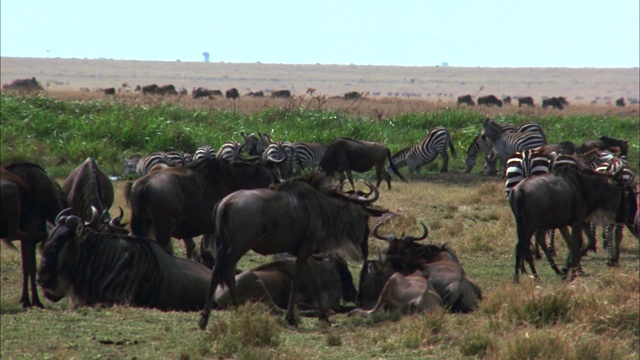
[[230, 151], [204, 151], [478, 144], [281, 153], [178, 158], [308, 155], [141, 165], [505, 144], [256, 145], [528, 126], [426, 151]]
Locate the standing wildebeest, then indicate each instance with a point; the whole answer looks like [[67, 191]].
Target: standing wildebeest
[[201, 92], [110, 91], [23, 85], [178, 201], [302, 216], [506, 100], [425, 151], [271, 283], [284, 94], [150, 89], [489, 100], [232, 94], [344, 154], [352, 95], [556, 102], [465, 99], [525, 100], [87, 186], [117, 270], [416, 277], [620, 102], [567, 197], [166, 90], [30, 198]]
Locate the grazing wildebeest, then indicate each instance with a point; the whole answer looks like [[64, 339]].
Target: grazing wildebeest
[[302, 216], [620, 102], [116, 269], [506, 100], [439, 265], [166, 90], [555, 102], [87, 186], [489, 100], [465, 99], [271, 283], [232, 94], [256, 94], [285, 94], [525, 100], [23, 85], [178, 201], [605, 143], [30, 198], [346, 155], [201, 92], [567, 197], [352, 95], [150, 89], [110, 91]]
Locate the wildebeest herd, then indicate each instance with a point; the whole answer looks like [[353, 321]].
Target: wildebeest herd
[[288, 192]]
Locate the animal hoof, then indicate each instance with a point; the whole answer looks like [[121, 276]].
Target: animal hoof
[[203, 322]]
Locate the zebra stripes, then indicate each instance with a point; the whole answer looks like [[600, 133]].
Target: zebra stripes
[[505, 144], [478, 144], [282, 153], [142, 165], [230, 151], [308, 155], [203, 152], [426, 151]]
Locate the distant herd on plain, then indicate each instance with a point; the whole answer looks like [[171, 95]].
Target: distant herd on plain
[[282, 198]]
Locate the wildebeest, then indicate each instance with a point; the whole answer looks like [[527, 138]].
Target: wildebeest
[[232, 94], [352, 95], [201, 92], [506, 100], [166, 90], [178, 201], [489, 100], [271, 283], [115, 269], [284, 94], [256, 94], [465, 99], [110, 91], [605, 143], [567, 197], [346, 155], [302, 216], [87, 186], [620, 102], [23, 86], [30, 198], [150, 89], [404, 263], [525, 100], [555, 102]]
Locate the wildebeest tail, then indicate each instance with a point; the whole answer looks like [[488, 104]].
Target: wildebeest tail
[[517, 202], [394, 168], [223, 273], [137, 198]]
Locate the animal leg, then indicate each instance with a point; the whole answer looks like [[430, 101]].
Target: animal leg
[[575, 251], [206, 311], [614, 249], [540, 240], [322, 312], [189, 245], [445, 162], [590, 231], [300, 263]]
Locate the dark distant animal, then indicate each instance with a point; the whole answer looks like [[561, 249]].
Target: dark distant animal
[[346, 155], [201, 92], [525, 100], [30, 198], [110, 91], [271, 283], [567, 197], [178, 201], [166, 90], [232, 94], [256, 94], [352, 95], [115, 269], [87, 186], [436, 142], [465, 99], [408, 261], [285, 94], [23, 86], [506, 100], [150, 89], [620, 102], [605, 143], [555, 102], [489, 100], [302, 216]]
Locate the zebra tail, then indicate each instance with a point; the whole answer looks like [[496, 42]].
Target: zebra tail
[[393, 167], [453, 150]]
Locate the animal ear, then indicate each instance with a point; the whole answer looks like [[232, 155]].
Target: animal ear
[[371, 267]]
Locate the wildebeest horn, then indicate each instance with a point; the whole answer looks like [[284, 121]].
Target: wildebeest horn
[[387, 238], [115, 223], [94, 218], [62, 213], [366, 199], [425, 232]]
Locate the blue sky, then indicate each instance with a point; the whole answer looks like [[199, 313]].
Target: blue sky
[[487, 33]]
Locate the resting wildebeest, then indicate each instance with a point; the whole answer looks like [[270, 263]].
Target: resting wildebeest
[[556, 102], [302, 216], [232, 94], [567, 197], [525, 100], [284, 94], [30, 198], [465, 99], [352, 95], [87, 186], [344, 154], [115, 269], [178, 201], [489, 100], [271, 283], [395, 280], [605, 143]]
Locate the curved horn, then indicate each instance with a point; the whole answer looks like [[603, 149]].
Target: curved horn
[[366, 199], [62, 213], [425, 233], [94, 218], [341, 186], [387, 238], [116, 223]]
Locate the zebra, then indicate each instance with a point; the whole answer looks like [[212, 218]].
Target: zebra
[[426, 151], [204, 151], [141, 165], [506, 144], [178, 158], [230, 151], [281, 153], [478, 144], [308, 155], [256, 145]]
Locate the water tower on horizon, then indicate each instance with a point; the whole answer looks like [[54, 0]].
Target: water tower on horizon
[[206, 56]]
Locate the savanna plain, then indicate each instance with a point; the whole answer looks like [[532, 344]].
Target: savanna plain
[[596, 316]]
